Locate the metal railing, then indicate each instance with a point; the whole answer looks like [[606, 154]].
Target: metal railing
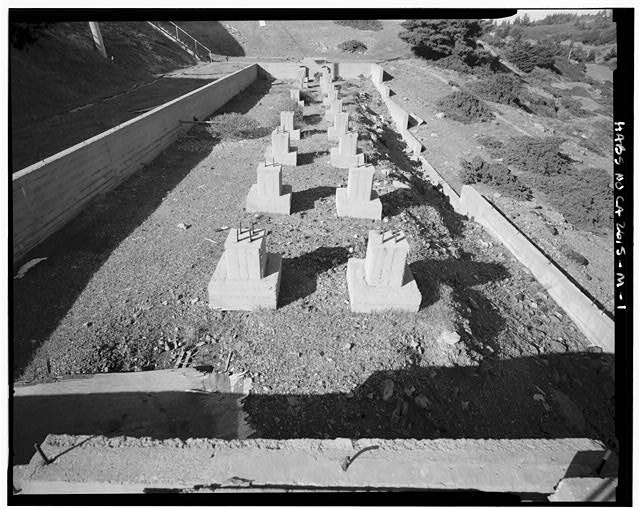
[[188, 42]]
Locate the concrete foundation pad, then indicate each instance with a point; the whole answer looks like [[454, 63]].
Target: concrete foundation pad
[[368, 299], [257, 202], [246, 294], [288, 159], [362, 209], [345, 161]]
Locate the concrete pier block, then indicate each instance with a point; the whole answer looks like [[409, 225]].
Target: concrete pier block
[[269, 195], [345, 161], [246, 276], [364, 298], [332, 96], [269, 179], [340, 126], [279, 151], [245, 254], [360, 183], [258, 202], [386, 259], [286, 125], [348, 143], [346, 207], [249, 294], [335, 107], [345, 155]]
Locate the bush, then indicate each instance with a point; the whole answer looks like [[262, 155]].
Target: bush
[[536, 155], [438, 38], [500, 88], [493, 145], [538, 104], [494, 174], [464, 107], [361, 24], [574, 106], [584, 198], [235, 126], [353, 46], [527, 56]]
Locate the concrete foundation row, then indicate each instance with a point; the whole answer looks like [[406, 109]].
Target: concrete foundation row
[[247, 277]]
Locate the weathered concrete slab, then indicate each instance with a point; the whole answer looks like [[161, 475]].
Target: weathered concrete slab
[[118, 465], [365, 298]]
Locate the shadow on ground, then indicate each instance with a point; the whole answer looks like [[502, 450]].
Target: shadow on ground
[[305, 200], [299, 274], [215, 36], [492, 401], [44, 296]]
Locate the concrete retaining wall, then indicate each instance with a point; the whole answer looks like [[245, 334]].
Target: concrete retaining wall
[[48, 194], [350, 70], [594, 324]]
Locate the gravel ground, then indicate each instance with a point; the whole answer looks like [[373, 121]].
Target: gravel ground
[[488, 354]]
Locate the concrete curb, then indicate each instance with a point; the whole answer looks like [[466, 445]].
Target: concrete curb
[[120, 464]]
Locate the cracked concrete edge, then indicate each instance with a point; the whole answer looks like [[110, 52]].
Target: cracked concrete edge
[[125, 464]]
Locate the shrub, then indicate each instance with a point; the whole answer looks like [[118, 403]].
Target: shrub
[[361, 24], [538, 104], [464, 107], [493, 174], [353, 46], [527, 56], [500, 88], [438, 38], [574, 106], [583, 197], [493, 145], [536, 155], [235, 126]]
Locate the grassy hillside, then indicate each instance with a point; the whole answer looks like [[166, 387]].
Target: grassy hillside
[[62, 70], [295, 39]]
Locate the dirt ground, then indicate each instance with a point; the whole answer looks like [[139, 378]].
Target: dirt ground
[[488, 355], [418, 87]]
